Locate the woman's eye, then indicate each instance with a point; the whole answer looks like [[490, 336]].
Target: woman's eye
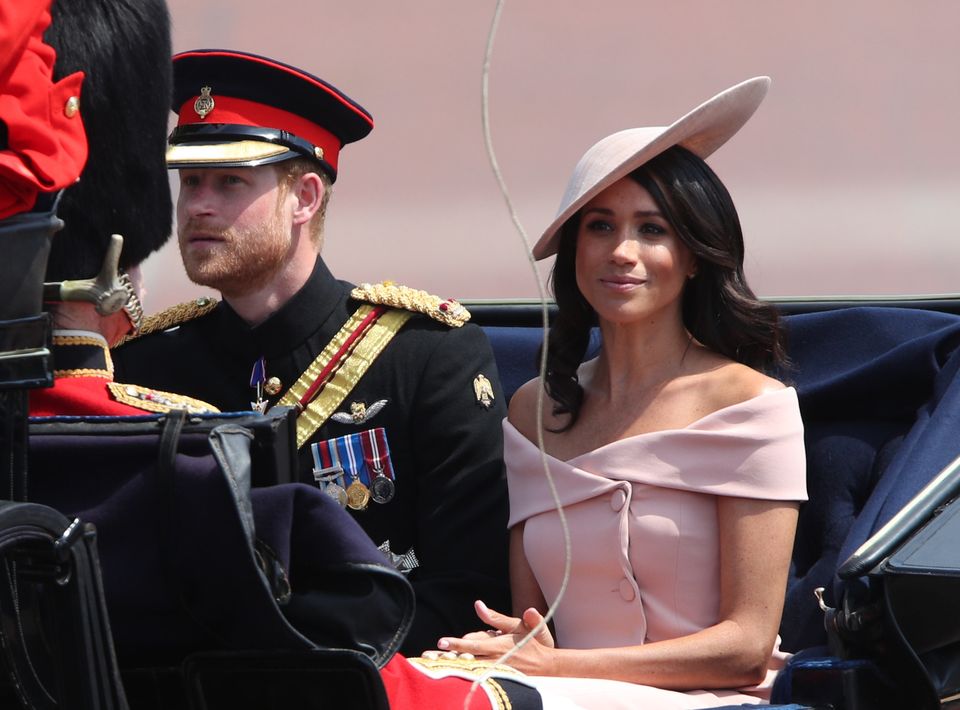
[[652, 228], [599, 225]]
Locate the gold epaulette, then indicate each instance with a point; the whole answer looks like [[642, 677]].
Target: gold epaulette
[[157, 401], [174, 315], [387, 293], [438, 662], [486, 672]]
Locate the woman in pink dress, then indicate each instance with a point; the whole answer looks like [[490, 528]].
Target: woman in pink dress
[[679, 464]]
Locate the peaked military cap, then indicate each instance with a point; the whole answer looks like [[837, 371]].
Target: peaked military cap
[[241, 110]]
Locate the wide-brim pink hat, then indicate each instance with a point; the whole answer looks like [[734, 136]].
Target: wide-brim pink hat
[[702, 131]]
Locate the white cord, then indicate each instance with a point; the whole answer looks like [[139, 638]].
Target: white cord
[[488, 143]]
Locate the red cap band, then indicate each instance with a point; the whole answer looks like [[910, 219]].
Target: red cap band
[[229, 110]]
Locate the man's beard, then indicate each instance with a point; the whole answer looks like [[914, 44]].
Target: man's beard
[[244, 262]]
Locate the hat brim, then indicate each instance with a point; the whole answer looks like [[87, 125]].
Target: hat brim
[[701, 131], [226, 154]]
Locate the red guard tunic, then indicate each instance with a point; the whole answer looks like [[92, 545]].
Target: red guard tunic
[[424, 683], [46, 146], [83, 384]]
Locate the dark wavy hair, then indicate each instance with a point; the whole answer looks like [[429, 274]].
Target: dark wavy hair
[[719, 308]]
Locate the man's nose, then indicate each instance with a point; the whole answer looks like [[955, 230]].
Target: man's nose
[[197, 200]]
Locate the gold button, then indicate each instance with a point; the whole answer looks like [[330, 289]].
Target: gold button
[[272, 386], [72, 107], [318, 152]]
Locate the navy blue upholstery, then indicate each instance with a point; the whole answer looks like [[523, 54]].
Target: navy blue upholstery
[[880, 403], [515, 349]]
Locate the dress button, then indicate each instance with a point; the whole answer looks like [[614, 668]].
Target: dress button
[[618, 499], [626, 590]]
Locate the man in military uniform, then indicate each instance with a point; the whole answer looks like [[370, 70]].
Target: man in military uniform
[[399, 401], [92, 273]]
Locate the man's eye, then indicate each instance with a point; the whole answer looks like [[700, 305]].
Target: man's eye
[[232, 180]]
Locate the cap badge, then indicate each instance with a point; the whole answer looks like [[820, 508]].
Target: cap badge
[[483, 391], [204, 103]]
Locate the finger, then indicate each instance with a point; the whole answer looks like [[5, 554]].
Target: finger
[[495, 618], [481, 648], [531, 619], [475, 635]]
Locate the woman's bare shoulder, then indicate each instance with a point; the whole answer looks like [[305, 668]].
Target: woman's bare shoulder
[[726, 383], [522, 411]]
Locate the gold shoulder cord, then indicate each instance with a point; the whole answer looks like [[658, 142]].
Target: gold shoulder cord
[[352, 368], [175, 315], [446, 310]]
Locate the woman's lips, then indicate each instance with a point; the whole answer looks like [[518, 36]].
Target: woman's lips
[[622, 283]]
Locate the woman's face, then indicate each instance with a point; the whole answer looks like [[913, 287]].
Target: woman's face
[[630, 264]]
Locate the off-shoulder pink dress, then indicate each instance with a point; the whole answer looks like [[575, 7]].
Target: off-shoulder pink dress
[[644, 534]]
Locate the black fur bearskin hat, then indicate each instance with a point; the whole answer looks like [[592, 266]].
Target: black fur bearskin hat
[[124, 49]]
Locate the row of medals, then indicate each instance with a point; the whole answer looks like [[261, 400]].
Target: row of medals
[[356, 496]]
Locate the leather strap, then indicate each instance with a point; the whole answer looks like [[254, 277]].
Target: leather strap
[[49, 569], [340, 366]]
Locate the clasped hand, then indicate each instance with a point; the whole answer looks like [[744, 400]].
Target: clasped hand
[[504, 634]]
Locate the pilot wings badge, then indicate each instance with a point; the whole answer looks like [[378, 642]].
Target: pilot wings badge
[[359, 413]]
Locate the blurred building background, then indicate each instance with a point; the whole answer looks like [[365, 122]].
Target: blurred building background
[[847, 179]]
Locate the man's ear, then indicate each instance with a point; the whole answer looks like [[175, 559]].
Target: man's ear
[[308, 189]]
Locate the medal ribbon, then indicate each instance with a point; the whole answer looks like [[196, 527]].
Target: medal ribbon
[[353, 455], [258, 375], [323, 458], [325, 462], [330, 378], [377, 453]]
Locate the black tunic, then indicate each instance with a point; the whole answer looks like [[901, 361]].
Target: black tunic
[[450, 504]]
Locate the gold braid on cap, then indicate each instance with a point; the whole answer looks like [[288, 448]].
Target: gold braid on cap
[[387, 293], [175, 315]]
